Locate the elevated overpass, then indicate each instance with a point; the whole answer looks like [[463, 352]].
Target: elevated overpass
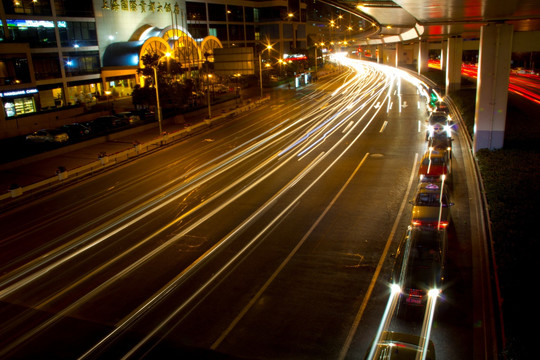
[[405, 30]]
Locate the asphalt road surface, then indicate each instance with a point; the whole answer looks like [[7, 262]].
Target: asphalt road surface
[[269, 237]]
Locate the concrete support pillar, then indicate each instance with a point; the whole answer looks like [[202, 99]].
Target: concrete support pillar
[[454, 53], [399, 50], [423, 57], [379, 54], [443, 55], [492, 85]]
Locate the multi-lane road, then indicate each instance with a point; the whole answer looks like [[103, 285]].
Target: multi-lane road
[[269, 237]]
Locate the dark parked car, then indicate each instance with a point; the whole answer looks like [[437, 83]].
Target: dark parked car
[[103, 124], [48, 136], [126, 118], [76, 131], [145, 114], [419, 265]]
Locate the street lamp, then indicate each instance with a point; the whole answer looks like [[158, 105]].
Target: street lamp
[[208, 76], [108, 92], [158, 106], [268, 47]]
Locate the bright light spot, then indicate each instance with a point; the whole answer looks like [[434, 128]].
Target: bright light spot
[[434, 292], [395, 288]]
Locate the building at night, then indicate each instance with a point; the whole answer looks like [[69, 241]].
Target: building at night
[[59, 58]]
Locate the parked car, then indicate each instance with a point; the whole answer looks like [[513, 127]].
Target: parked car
[[103, 124], [76, 131], [126, 118], [220, 88], [145, 114], [399, 346], [419, 264], [48, 136]]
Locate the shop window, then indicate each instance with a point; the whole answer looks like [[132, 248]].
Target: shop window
[[51, 97], [19, 106], [83, 93]]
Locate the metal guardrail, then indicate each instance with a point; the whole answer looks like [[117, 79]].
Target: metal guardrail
[[108, 160]]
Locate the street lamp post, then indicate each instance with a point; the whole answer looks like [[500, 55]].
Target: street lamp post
[[268, 47], [108, 93], [208, 76], [157, 100], [158, 105]]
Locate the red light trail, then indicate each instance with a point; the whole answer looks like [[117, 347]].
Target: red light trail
[[525, 85]]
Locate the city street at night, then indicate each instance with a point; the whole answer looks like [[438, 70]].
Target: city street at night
[[270, 236]]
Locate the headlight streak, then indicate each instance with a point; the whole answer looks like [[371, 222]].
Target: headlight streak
[[427, 323], [315, 142], [393, 298], [372, 98]]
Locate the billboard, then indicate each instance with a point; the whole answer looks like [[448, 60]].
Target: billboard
[[234, 61]]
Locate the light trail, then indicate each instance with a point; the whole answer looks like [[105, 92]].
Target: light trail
[[524, 85]]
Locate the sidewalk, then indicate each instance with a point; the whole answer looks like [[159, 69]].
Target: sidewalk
[[45, 167]]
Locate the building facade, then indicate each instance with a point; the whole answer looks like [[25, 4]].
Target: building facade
[[60, 55]]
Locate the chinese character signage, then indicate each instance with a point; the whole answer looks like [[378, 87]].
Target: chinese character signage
[[141, 6]]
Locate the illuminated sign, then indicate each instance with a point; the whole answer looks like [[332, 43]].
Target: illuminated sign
[[34, 23], [140, 5], [18, 92]]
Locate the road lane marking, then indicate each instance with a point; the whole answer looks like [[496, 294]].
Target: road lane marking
[[362, 308], [383, 126], [268, 282]]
